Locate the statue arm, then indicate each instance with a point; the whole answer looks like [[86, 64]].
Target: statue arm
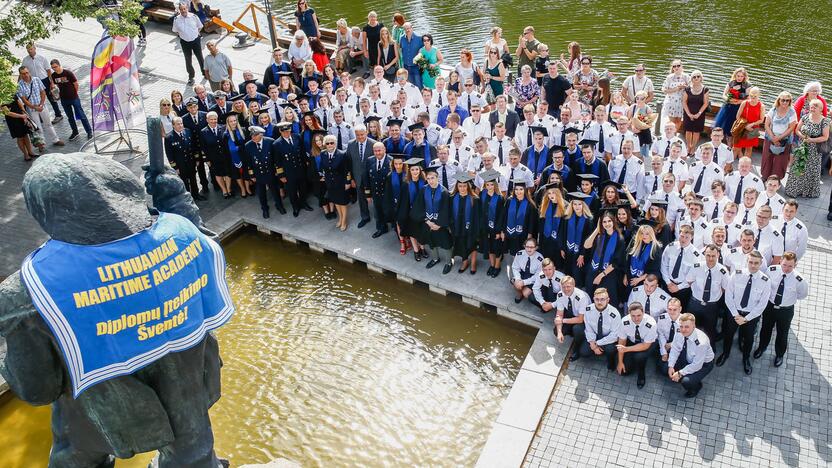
[[32, 366]]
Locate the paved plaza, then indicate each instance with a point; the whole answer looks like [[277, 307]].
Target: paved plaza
[[775, 417]]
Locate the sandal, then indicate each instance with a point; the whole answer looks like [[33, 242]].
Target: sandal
[[417, 255]]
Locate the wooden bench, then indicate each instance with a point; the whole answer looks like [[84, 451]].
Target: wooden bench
[[164, 11]]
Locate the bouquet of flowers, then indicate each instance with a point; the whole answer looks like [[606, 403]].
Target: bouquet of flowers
[[420, 61], [643, 121], [732, 94], [801, 156]]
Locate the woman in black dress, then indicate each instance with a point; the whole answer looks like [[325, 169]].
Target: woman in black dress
[[433, 212], [371, 34], [551, 215], [234, 142], [607, 258], [16, 119], [408, 225], [388, 55], [576, 226], [393, 188], [315, 176], [465, 222], [520, 218], [656, 216], [492, 229], [645, 258], [337, 177]]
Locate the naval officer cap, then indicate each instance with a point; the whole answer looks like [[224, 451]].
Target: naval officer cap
[[256, 130]]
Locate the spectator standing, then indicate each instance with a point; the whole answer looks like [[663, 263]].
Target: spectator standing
[[397, 31], [187, 26], [16, 122], [39, 68], [409, 45], [299, 51], [217, 66], [67, 85], [306, 20], [33, 94], [526, 49]]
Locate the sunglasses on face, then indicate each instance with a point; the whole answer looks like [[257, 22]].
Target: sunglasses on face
[[675, 66]]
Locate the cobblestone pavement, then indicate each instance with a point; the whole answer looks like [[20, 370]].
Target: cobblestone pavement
[[775, 417]]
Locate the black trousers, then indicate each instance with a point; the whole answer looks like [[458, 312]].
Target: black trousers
[[378, 207], [363, 206], [637, 361], [295, 187], [610, 353], [188, 176], [747, 332], [262, 188], [780, 318], [53, 101], [691, 381], [192, 48], [706, 316], [549, 295], [683, 295]]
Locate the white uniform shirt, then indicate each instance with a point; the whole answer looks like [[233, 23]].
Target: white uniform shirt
[[732, 231], [713, 208], [477, 129], [736, 259], [776, 202], [347, 108], [611, 322], [541, 281], [675, 205], [795, 286], [433, 133], [502, 182], [519, 172], [758, 295], [521, 134], [413, 94], [635, 171], [467, 100], [709, 173], [532, 265], [698, 277], [661, 146], [698, 351], [379, 107], [732, 183], [678, 168], [664, 324], [494, 146], [796, 236], [768, 241], [446, 136], [432, 109], [614, 142], [579, 299], [461, 154], [599, 132], [448, 169], [658, 299], [549, 123], [722, 155], [746, 216], [647, 329], [700, 229], [346, 131]]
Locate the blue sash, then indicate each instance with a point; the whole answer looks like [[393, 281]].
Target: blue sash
[[492, 208], [396, 183], [413, 189], [551, 223], [638, 262], [234, 149], [537, 161], [318, 164], [516, 217], [574, 230], [467, 201], [599, 261], [432, 203], [117, 307]]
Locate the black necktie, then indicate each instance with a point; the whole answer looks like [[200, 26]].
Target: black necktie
[[783, 233], [440, 99], [698, 186], [684, 352], [671, 167], [450, 137], [360, 149], [326, 122], [621, 144], [551, 286], [746, 294], [672, 333], [637, 335], [600, 138], [655, 183], [767, 201], [444, 176], [623, 174], [646, 308], [529, 136], [378, 166], [600, 324], [678, 265], [340, 140], [745, 219], [757, 239], [214, 130], [738, 194], [666, 198], [290, 141], [706, 296], [569, 310], [375, 108], [457, 154], [778, 296], [500, 152], [259, 147], [469, 104], [528, 268], [715, 214], [667, 149]]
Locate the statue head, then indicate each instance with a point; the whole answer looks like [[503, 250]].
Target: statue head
[[83, 198]]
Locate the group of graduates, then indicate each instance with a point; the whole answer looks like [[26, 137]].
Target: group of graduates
[[589, 225]]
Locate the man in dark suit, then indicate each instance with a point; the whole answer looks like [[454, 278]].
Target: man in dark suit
[[180, 150], [195, 121], [376, 170], [221, 106], [262, 169], [291, 166], [359, 150], [510, 118], [248, 77], [204, 100], [210, 141]]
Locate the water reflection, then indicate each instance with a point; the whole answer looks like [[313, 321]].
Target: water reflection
[[328, 365]]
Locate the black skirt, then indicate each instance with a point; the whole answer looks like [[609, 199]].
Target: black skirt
[[490, 245]]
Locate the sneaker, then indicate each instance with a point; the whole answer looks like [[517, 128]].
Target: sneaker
[[57, 119], [59, 143], [74, 136], [190, 82], [142, 42]]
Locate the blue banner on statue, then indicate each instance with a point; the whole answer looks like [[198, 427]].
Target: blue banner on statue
[[117, 307]]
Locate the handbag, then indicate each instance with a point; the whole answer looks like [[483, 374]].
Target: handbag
[[738, 128]]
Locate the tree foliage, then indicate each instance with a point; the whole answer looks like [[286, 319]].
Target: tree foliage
[[28, 22]]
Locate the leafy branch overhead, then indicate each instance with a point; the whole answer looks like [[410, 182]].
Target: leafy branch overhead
[[29, 22]]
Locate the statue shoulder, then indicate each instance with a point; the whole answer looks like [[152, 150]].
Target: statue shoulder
[[15, 303]]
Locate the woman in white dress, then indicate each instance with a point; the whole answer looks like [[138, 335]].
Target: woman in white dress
[[674, 87]]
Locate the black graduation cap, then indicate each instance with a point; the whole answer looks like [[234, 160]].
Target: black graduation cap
[[392, 122], [285, 73], [610, 182], [611, 209], [541, 130], [647, 222], [416, 126], [262, 111], [310, 114], [588, 141], [590, 177], [302, 97], [431, 169], [556, 148], [238, 97], [518, 182], [312, 78], [398, 156], [286, 104], [490, 175], [371, 118], [415, 162], [463, 176], [553, 185], [319, 131], [571, 130], [577, 196], [658, 202]]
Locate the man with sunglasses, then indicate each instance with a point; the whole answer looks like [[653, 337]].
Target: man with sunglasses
[[637, 82], [470, 96]]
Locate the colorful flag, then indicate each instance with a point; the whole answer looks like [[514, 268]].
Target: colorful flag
[[114, 84]]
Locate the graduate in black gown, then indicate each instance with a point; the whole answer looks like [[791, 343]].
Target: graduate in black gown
[[576, 227], [551, 178], [586, 186], [551, 216], [589, 164], [465, 221], [315, 176], [409, 225], [645, 257], [432, 210], [492, 229], [521, 218], [393, 188], [626, 222], [607, 253], [656, 215]]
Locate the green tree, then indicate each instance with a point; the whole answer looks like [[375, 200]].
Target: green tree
[[28, 22]]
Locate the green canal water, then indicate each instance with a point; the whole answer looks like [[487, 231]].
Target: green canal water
[[328, 364], [783, 43]]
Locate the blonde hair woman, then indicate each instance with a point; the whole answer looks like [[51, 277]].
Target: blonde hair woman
[[753, 111], [551, 215], [645, 256], [166, 115], [388, 55], [496, 40], [674, 86], [780, 123], [695, 101]]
